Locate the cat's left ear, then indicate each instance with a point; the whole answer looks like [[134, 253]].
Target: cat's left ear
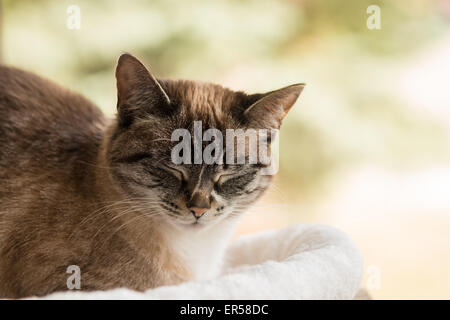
[[269, 111], [138, 92]]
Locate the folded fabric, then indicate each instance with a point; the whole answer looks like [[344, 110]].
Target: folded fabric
[[297, 262]]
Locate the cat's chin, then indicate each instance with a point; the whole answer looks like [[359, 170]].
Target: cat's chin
[[196, 225], [193, 225]]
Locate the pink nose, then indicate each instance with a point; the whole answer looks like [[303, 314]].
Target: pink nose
[[198, 212]]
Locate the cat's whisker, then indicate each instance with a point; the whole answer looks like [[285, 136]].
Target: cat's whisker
[[93, 164], [126, 212], [120, 202], [161, 139], [275, 189], [125, 203], [127, 223], [120, 227], [141, 205]]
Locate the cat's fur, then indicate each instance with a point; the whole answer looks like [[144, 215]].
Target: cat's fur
[[77, 189]]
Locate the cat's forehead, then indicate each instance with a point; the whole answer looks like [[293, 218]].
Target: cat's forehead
[[202, 98]]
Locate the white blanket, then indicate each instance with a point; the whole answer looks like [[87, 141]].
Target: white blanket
[[298, 262]]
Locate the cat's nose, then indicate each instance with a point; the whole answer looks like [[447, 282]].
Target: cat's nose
[[198, 212], [199, 204]]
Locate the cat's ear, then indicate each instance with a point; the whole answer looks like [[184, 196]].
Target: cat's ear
[[270, 109], [138, 92]]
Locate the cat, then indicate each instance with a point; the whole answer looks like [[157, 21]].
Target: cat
[[78, 189]]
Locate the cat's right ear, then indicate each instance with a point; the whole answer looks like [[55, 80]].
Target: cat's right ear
[[138, 92]]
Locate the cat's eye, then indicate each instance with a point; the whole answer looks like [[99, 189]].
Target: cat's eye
[[178, 173], [222, 178], [137, 157]]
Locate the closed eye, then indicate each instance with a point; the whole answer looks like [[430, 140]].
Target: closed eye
[[221, 179], [135, 157], [178, 173]]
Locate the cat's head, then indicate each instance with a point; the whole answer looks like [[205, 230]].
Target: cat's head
[[141, 150]]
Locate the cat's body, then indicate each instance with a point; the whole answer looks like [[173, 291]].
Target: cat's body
[[50, 140], [69, 195]]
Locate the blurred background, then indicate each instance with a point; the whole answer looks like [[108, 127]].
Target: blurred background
[[365, 149]]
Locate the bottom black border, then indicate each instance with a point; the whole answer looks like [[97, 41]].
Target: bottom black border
[[236, 309]]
